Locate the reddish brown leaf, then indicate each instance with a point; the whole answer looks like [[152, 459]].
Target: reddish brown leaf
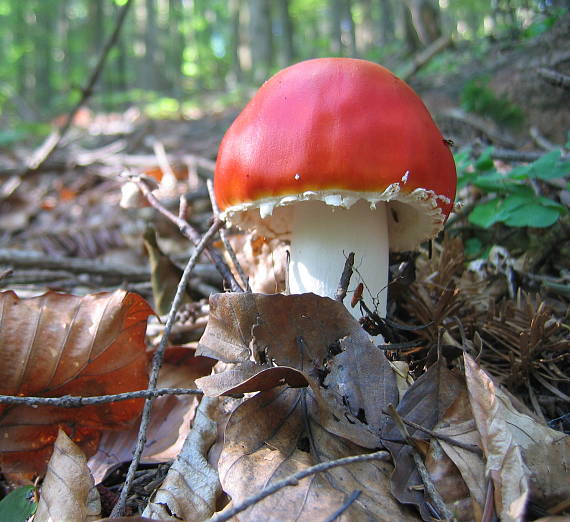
[[55, 345]]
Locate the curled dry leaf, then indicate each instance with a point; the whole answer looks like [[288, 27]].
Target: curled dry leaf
[[525, 459], [424, 403], [55, 345], [68, 491]]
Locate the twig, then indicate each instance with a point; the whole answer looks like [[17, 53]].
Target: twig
[[225, 241], [426, 55], [157, 363], [345, 278], [554, 78], [429, 486], [163, 162], [30, 259], [69, 401], [479, 124], [190, 233], [347, 503], [54, 139], [293, 480], [440, 436], [541, 141]]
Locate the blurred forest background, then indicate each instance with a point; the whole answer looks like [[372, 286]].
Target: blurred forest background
[[169, 51]]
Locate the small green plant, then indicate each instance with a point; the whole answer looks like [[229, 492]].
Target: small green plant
[[513, 201], [477, 97], [19, 505]]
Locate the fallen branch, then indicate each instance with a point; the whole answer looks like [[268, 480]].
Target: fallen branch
[[293, 480], [69, 401], [157, 363], [29, 259], [554, 78], [430, 489], [440, 436], [425, 56]]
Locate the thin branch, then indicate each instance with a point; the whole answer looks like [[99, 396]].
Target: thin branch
[[554, 78], [191, 233], [469, 447], [425, 56], [30, 259], [54, 139], [69, 401], [293, 480], [157, 363], [347, 503], [225, 240], [345, 278], [430, 489]]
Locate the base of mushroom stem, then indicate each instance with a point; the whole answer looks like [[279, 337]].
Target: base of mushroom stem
[[323, 236]]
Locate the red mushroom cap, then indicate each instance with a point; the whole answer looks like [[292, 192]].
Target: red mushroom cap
[[335, 127]]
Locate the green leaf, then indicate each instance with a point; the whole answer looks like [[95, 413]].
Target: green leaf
[[473, 247], [485, 161], [18, 505], [487, 214], [496, 182], [532, 215], [548, 166]]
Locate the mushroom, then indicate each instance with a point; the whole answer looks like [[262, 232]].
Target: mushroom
[[338, 155]]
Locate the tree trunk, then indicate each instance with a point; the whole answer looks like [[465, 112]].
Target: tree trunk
[[387, 23], [335, 18], [150, 39], [45, 25], [287, 54], [174, 48], [261, 39], [423, 19], [235, 40]]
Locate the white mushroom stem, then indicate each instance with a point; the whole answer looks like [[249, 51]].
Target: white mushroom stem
[[322, 237]]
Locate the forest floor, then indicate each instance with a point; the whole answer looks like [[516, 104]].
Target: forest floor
[[63, 228]]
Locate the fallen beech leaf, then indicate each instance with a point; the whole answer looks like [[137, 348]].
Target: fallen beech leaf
[[524, 457], [55, 345], [288, 438], [170, 420], [191, 487], [299, 339], [68, 491], [462, 484], [424, 403]]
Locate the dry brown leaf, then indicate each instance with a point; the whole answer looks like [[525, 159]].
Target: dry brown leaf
[[463, 485], [68, 491], [288, 438], [424, 403], [191, 488], [299, 339], [524, 458], [55, 345]]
